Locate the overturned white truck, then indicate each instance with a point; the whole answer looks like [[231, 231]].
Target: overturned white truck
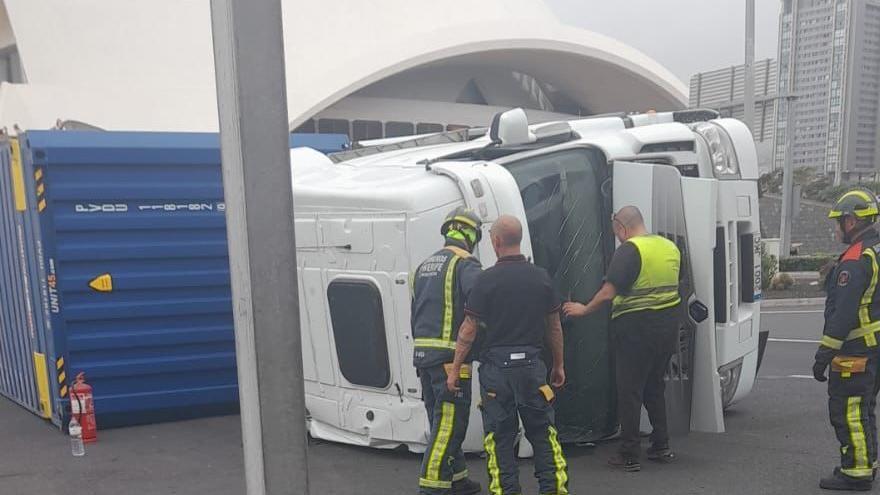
[[366, 218]]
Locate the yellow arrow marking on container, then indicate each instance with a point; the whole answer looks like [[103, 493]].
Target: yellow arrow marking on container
[[102, 283]]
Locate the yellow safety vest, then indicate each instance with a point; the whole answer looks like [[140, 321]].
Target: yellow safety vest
[[657, 284], [444, 341]]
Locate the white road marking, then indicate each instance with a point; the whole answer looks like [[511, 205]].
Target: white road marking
[[799, 312], [796, 341], [796, 377]]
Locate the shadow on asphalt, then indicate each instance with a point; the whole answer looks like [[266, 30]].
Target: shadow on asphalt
[[778, 441]]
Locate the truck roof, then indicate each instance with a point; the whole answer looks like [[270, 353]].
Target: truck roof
[[617, 136], [321, 185], [367, 183]]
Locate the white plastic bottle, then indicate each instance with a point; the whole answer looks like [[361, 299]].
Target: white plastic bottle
[[76, 441]]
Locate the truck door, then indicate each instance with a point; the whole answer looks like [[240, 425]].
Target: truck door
[[657, 190]]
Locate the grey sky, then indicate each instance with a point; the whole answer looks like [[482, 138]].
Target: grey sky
[[686, 36]]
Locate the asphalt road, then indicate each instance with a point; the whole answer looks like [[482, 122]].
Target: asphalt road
[[778, 442]]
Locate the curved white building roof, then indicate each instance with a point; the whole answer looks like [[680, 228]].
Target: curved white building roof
[[333, 49]]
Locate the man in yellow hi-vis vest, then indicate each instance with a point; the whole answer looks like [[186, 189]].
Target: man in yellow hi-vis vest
[[642, 282], [849, 342]]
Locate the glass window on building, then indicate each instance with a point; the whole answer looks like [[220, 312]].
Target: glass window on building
[[397, 129], [366, 129], [333, 126], [427, 128], [10, 65], [307, 127]]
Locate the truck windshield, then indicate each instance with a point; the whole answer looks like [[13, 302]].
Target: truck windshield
[[568, 220]]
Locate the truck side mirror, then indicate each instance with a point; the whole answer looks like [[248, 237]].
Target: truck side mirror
[[511, 128], [698, 311]]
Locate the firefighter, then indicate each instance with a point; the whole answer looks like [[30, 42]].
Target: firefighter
[[519, 307], [849, 342], [440, 288], [642, 282]]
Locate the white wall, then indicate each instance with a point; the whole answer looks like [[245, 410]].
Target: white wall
[[7, 38], [333, 48]]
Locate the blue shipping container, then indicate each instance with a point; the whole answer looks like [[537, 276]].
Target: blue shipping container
[[23, 368], [128, 240]]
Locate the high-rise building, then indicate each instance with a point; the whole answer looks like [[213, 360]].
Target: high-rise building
[[829, 68], [722, 90]]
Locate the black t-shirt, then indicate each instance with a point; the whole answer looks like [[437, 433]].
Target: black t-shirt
[[512, 299], [624, 268]]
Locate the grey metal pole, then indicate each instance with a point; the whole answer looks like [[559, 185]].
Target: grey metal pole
[[749, 68], [252, 104], [787, 179]]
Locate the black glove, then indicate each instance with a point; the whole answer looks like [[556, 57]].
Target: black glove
[[819, 368]]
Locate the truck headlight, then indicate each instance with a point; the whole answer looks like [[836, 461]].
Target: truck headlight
[[721, 152], [729, 374]]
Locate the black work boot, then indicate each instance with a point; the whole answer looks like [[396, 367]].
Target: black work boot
[[466, 487], [630, 465], [660, 453], [840, 481]]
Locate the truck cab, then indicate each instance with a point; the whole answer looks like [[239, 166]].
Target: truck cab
[[366, 218]]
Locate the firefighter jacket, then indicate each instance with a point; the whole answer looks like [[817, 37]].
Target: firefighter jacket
[[440, 287], [852, 307]]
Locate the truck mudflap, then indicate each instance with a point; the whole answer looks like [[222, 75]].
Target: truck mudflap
[[762, 344]]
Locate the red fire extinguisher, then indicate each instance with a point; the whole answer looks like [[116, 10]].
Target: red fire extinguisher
[[82, 406]]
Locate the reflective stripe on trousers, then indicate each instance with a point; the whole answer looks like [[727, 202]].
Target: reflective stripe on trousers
[[508, 396], [443, 461], [851, 403], [860, 468]]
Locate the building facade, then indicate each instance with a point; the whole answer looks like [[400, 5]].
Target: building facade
[[829, 73], [723, 90], [351, 67]]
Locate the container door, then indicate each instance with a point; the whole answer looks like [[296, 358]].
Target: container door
[[657, 191], [23, 367], [134, 272]]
